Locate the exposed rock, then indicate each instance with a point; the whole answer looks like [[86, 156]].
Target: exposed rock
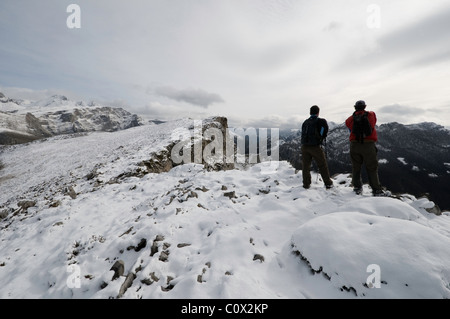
[[35, 127], [71, 192], [434, 210], [153, 277], [55, 203], [218, 162], [127, 232], [12, 138], [142, 244], [162, 162], [159, 163], [147, 281], [151, 280], [91, 175], [203, 189], [230, 195], [25, 204], [169, 285], [126, 284], [154, 249], [5, 212], [68, 117], [118, 268], [164, 256], [258, 257]]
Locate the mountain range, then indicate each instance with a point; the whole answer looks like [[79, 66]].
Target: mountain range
[[413, 159], [23, 121]]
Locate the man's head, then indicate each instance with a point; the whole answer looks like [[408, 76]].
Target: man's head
[[314, 110], [360, 105]]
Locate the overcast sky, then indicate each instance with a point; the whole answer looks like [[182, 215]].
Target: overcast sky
[[261, 63]]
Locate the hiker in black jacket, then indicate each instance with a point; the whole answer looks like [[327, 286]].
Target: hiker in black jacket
[[314, 131]]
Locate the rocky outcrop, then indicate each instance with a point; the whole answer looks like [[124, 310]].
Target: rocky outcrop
[[12, 138], [204, 147], [219, 159], [35, 127], [118, 268]]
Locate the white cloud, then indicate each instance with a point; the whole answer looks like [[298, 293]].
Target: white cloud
[[246, 59], [35, 95], [160, 111], [196, 97]]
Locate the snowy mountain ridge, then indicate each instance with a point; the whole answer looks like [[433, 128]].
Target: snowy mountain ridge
[[22, 121], [91, 216]]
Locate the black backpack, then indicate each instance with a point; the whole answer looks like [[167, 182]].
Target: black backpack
[[312, 132], [361, 126]]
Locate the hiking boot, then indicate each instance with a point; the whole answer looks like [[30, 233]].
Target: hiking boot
[[306, 186], [330, 186], [381, 193], [358, 190]]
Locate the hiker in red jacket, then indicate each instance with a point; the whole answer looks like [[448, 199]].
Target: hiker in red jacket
[[363, 150]]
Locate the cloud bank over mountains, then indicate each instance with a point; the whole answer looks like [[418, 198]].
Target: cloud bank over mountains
[[249, 60]]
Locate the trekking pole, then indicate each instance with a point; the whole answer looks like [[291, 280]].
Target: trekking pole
[[317, 173]]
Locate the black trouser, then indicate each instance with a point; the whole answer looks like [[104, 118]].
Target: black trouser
[[310, 153], [365, 154]]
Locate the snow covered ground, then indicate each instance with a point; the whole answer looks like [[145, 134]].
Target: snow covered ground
[[192, 233]]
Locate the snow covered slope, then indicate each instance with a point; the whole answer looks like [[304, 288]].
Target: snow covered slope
[[74, 207]]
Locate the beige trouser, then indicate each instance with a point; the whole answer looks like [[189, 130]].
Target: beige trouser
[[365, 154]]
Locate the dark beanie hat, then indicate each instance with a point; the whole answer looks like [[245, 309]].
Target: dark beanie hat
[[360, 105], [314, 110]]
